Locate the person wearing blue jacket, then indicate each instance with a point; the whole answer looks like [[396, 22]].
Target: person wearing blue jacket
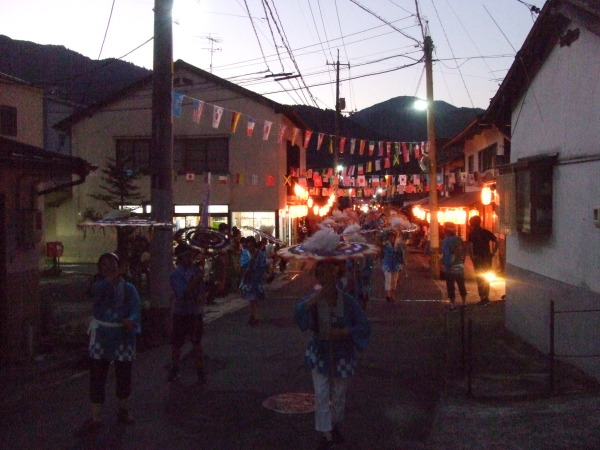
[[189, 297], [339, 328], [113, 329], [253, 262], [392, 263]]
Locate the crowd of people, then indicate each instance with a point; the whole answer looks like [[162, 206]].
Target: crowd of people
[[335, 312]]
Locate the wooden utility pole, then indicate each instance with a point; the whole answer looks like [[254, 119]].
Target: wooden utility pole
[[161, 166], [434, 235], [338, 115]]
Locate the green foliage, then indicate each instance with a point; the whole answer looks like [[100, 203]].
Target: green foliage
[[119, 186]]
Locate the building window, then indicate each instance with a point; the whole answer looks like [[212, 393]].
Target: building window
[[190, 155], [264, 221], [471, 163], [525, 190], [486, 158], [199, 155], [134, 154], [8, 120]]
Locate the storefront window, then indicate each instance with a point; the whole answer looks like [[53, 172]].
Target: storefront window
[[264, 221]]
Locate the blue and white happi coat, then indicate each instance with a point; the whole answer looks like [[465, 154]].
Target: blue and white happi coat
[[346, 313], [112, 303]]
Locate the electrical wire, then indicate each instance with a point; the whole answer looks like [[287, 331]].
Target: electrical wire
[[107, 26], [337, 12], [386, 22], [500, 29], [95, 69], [256, 34], [319, 36], [452, 52], [467, 33], [287, 46]]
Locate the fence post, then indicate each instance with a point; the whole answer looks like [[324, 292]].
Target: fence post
[[551, 355], [462, 339], [470, 357]]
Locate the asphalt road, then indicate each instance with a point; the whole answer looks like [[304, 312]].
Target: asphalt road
[[409, 393]]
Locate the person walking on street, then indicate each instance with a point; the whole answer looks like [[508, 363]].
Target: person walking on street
[[116, 321], [479, 250], [393, 259], [254, 265], [339, 327], [189, 288], [453, 260]]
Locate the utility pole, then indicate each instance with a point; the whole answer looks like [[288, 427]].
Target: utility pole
[[434, 235], [338, 115], [161, 168]]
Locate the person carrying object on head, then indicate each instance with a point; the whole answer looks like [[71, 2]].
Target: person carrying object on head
[[339, 327]]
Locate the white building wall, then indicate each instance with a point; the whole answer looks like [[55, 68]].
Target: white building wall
[[94, 140], [477, 143], [560, 113]]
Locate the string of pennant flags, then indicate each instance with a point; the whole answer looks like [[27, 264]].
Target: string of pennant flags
[[353, 181], [389, 151]]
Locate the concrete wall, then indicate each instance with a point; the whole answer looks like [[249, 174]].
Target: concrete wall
[[29, 102], [560, 113], [94, 140]]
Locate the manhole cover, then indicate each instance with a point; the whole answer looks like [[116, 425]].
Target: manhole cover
[[291, 403]]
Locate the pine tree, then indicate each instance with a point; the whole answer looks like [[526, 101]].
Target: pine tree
[[119, 189]]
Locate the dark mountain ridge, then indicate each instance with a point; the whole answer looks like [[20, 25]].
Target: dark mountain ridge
[[64, 73], [401, 121], [73, 77]]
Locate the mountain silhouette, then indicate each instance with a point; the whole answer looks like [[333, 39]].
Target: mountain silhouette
[[64, 73], [71, 76], [398, 119]]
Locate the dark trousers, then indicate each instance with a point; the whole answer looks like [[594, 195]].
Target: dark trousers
[[459, 279], [98, 374], [481, 266]]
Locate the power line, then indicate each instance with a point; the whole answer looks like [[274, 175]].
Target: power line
[[106, 31], [256, 34], [95, 69], [452, 52], [534, 9], [467, 33], [386, 22], [287, 47], [500, 29], [318, 35]]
